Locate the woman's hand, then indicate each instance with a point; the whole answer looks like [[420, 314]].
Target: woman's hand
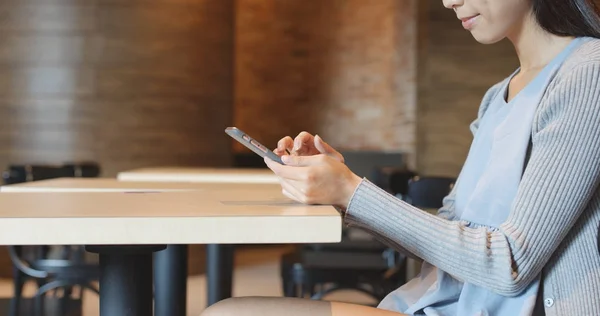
[[306, 144], [317, 179]]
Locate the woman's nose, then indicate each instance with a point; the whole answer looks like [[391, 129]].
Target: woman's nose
[[453, 4]]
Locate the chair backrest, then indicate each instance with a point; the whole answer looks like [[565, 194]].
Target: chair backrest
[[399, 180], [429, 192], [83, 169], [368, 163], [25, 173]]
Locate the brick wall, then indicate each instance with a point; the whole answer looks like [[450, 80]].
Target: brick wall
[[345, 69]]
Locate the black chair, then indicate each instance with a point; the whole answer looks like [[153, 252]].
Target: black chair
[[359, 263], [399, 181], [428, 192], [25, 173], [65, 272], [70, 268]]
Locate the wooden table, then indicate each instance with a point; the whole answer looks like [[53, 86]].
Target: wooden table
[[219, 258], [170, 269], [200, 175], [125, 229], [107, 185]]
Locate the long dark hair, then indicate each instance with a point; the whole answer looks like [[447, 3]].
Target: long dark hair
[[568, 17]]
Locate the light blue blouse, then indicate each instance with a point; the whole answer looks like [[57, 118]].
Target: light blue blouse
[[485, 191]]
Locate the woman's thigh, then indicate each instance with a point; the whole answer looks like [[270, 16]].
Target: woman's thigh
[[344, 309], [289, 306]]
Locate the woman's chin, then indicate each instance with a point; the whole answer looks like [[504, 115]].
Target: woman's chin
[[485, 38]]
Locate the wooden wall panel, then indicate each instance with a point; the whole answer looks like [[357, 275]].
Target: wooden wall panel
[[342, 68], [46, 81], [273, 80], [454, 73], [26, 49], [125, 83], [49, 17]]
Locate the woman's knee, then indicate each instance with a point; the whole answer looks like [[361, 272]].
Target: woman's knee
[[225, 307]]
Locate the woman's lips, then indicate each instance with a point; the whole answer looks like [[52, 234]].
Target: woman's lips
[[469, 22]]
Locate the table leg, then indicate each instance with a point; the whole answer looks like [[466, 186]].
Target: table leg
[[219, 272], [170, 281], [125, 279]]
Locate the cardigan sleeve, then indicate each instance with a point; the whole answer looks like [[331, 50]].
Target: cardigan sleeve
[[560, 179]]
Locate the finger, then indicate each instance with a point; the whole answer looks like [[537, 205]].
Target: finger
[[289, 195], [286, 172], [294, 189], [292, 192], [286, 143], [303, 161], [303, 138], [279, 152], [303, 143], [325, 148]]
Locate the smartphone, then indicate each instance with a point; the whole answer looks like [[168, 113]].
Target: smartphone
[[252, 144]]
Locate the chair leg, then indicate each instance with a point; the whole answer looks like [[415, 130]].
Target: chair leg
[[19, 283], [42, 253], [13, 308], [38, 305], [307, 289], [288, 288], [19, 279], [311, 289], [64, 300]]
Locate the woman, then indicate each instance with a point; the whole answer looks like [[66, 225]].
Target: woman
[[517, 234]]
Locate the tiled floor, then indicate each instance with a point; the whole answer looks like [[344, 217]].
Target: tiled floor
[[256, 273]]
